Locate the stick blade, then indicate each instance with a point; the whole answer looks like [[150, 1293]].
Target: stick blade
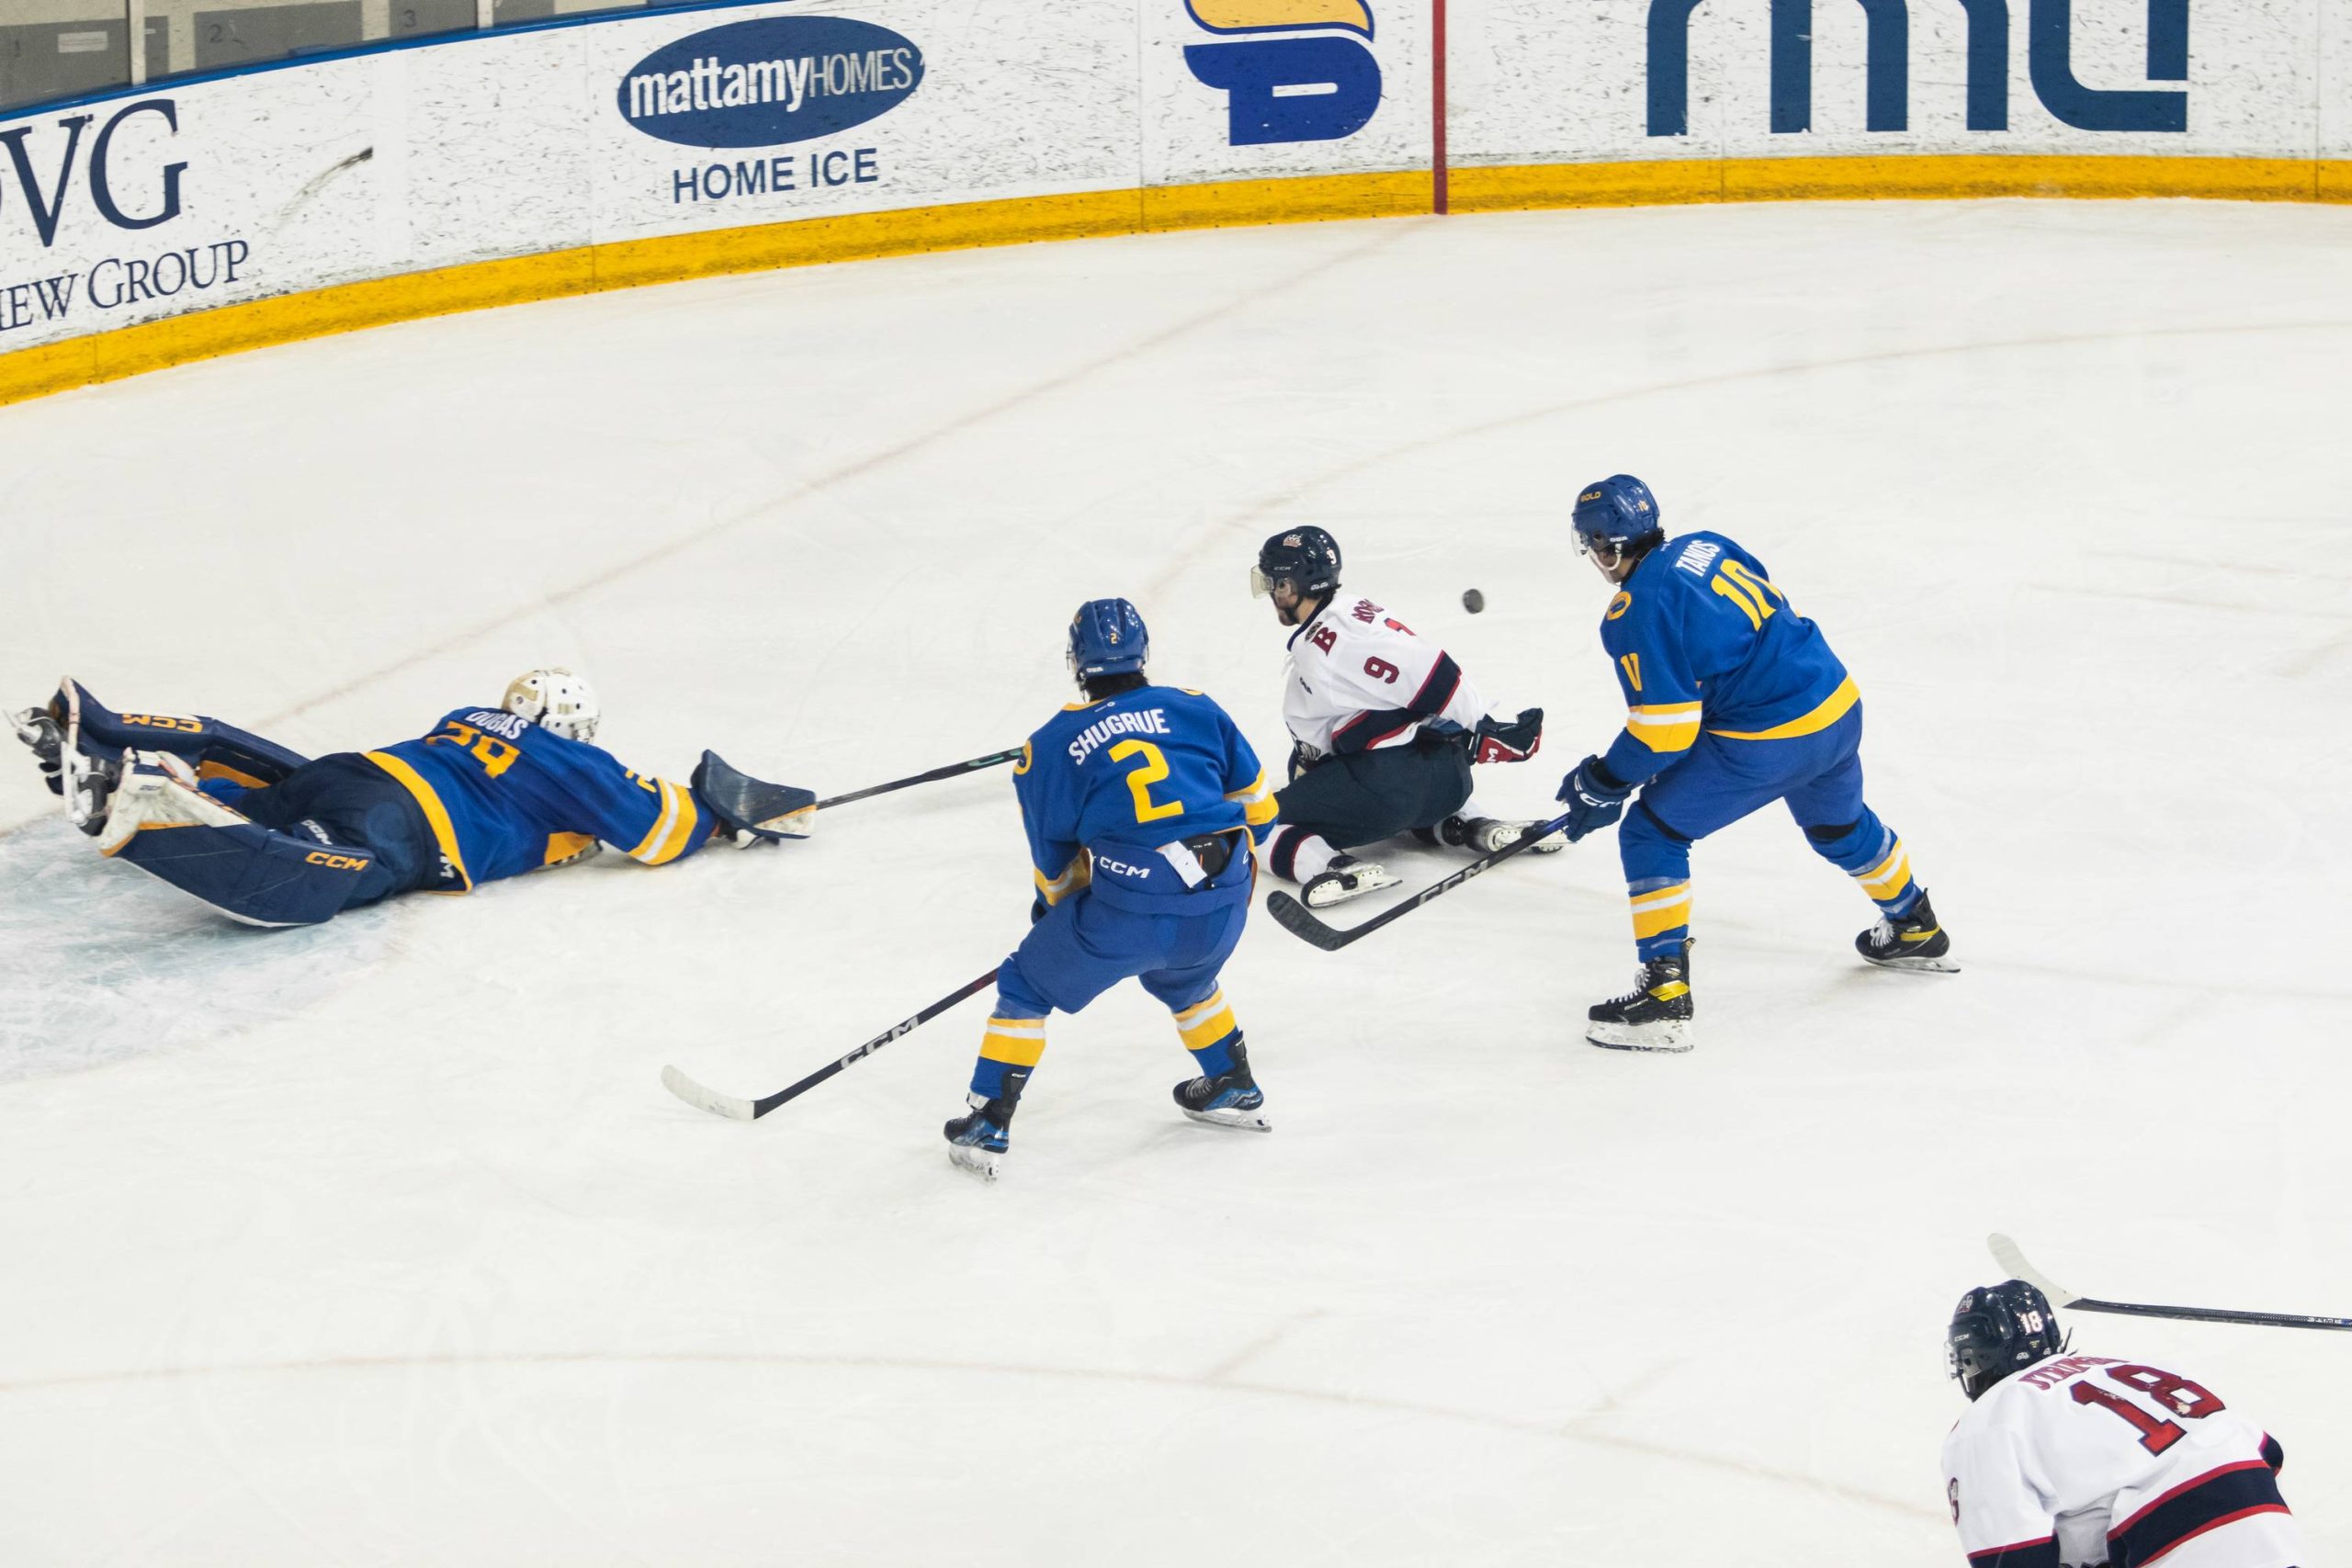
[[708, 1099], [2011, 1256], [1293, 918]]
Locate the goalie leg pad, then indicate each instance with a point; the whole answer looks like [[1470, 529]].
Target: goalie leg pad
[[253, 874]]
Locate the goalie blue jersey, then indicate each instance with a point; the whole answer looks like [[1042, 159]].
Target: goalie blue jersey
[[1701, 639], [1111, 790], [505, 796]]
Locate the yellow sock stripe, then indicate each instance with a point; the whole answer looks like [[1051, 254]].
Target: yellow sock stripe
[[1211, 1029], [1015, 1042], [1890, 876], [1214, 999], [1661, 910], [445, 832]]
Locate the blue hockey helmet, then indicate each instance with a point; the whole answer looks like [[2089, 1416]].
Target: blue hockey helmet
[[1307, 559], [1616, 514], [1996, 1330], [1107, 638]]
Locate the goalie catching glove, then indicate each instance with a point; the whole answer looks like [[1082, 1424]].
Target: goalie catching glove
[[752, 811]]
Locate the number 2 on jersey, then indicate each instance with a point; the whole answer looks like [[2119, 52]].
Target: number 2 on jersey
[[2190, 1400], [1153, 769], [496, 755]]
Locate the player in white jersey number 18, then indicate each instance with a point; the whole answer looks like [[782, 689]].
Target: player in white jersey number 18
[[2071, 1461], [1384, 729]]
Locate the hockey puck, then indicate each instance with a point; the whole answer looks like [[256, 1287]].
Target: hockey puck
[[1473, 601]]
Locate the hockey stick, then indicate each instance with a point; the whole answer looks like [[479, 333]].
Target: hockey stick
[[949, 771], [1293, 918], [2008, 1256], [727, 1105]]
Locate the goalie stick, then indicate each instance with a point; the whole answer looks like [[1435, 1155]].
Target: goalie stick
[[949, 771], [2008, 1254], [1293, 918], [739, 1109]]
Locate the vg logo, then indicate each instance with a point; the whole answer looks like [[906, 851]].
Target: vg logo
[[45, 198], [2050, 31], [1282, 88]]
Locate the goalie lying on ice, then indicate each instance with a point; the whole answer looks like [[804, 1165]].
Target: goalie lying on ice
[[272, 838]]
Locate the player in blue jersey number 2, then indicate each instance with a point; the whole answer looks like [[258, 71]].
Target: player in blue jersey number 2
[[271, 838], [1733, 700], [1143, 804]]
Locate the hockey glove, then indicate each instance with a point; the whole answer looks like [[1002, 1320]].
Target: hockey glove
[[1512, 742], [749, 810], [1302, 757], [1594, 795]]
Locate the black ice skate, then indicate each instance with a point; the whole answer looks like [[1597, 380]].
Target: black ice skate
[[977, 1139], [1653, 1016], [1228, 1100], [1916, 941], [1347, 878], [1488, 834], [89, 780]]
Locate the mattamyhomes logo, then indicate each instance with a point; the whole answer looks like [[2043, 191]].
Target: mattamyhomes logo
[[1284, 88], [768, 82], [2050, 33]]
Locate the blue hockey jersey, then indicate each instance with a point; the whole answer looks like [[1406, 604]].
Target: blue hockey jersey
[[505, 796], [1110, 791], [1702, 639]]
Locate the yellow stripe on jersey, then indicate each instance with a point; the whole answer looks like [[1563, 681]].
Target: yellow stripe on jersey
[[1661, 910], [1015, 1042], [1664, 726], [1075, 876], [1258, 806], [561, 847], [655, 847], [445, 832], [1833, 708], [1205, 1023], [1889, 878], [686, 817]]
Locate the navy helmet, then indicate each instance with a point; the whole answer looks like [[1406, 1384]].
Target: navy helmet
[[1617, 514], [1996, 1330], [1307, 559], [1107, 638]]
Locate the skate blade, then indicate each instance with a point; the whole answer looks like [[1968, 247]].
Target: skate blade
[[1249, 1121], [1915, 965], [980, 1164], [1661, 1037]]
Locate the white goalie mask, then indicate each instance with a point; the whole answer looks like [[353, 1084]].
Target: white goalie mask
[[557, 701]]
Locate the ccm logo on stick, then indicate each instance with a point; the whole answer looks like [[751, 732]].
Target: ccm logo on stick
[[1886, 76], [1288, 89]]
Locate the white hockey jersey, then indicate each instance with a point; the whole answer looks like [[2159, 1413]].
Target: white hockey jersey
[[2094, 1460], [1359, 680]]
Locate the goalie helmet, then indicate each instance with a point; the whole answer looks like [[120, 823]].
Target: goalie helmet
[[1999, 1329], [1107, 638], [1616, 515], [557, 701], [1307, 559]]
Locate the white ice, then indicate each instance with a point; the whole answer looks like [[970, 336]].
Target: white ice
[[381, 1243]]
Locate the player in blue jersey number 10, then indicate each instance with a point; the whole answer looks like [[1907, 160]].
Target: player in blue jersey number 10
[[1143, 804], [1733, 700], [271, 838]]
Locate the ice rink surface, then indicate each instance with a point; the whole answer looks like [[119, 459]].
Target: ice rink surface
[[380, 1243]]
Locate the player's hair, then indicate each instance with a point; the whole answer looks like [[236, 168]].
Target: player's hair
[[1100, 686]]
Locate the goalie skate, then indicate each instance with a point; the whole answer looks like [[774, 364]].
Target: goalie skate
[[156, 789]]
